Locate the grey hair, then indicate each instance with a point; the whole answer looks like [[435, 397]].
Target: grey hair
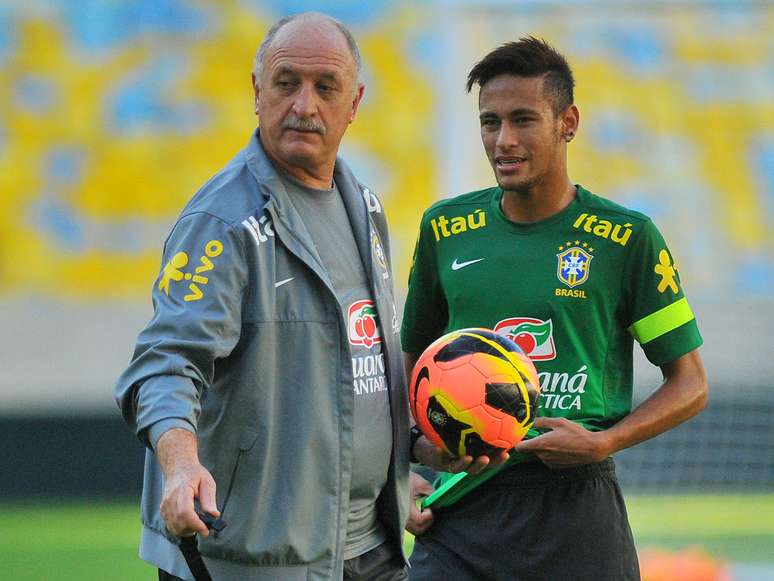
[[275, 28]]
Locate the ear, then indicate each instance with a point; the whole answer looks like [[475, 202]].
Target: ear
[[256, 92], [356, 101], [569, 122]]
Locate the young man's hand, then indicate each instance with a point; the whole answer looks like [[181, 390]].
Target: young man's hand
[[565, 444], [419, 520], [431, 455]]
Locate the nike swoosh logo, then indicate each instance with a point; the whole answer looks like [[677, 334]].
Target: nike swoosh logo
[[279, 283], [457, 265]]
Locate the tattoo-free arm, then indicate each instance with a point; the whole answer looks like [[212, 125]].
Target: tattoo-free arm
[[681, 396], [185, 480]]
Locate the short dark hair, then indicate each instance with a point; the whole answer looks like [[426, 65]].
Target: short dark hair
[[529, 57]]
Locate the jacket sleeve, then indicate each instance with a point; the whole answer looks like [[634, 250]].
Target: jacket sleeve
[[197, 302]]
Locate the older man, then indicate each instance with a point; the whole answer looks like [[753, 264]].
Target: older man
[[269, 385]]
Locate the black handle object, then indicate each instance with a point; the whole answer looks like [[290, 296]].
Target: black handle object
[[193, 557], [214, 524], [190, 548]]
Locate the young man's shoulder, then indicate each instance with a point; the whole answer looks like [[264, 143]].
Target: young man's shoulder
[[461, 204], [599, 206]]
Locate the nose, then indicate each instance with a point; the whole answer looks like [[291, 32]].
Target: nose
[[305, 103], [507, 137]]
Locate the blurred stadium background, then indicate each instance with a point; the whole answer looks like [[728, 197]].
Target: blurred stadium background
[[113, 113]]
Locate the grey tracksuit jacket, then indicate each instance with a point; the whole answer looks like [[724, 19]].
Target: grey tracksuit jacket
[[248, 348]]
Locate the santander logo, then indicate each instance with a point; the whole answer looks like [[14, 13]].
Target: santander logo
[[534, 336], [363, 323]]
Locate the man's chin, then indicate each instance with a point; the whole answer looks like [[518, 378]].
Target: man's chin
[[301, 154], [513, 185]]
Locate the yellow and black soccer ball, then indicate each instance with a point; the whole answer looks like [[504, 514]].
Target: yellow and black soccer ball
[[474, 392]]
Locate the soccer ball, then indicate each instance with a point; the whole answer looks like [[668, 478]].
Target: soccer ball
[[474, 392]]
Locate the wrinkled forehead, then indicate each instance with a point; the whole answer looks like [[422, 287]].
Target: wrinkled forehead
[[309, 43]]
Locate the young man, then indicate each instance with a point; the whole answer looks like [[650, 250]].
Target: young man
[[269, 384], [574, 279]]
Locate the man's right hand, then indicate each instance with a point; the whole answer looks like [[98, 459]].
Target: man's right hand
[[431, 455], [185, 481], [181, 488]]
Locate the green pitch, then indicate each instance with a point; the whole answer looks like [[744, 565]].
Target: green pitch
[[737, 528], [81, 541], [70, 541]]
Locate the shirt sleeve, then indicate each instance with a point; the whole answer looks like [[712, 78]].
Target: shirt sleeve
[[425, 314], [197, 302], [659, 316]]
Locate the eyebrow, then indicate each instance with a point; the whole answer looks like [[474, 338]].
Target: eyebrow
[[513, 113], [283, 70], [330, 77]]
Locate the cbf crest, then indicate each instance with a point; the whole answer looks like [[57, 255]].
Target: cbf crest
[[378, 250], [574, 263]]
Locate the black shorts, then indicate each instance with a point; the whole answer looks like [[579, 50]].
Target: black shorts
[[531, 523]]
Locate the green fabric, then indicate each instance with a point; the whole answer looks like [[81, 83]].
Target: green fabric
[[567, 289], [449, 488]]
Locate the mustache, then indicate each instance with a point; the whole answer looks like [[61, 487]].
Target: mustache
[[303, 124]]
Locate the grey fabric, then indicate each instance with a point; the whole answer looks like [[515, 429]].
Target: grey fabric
[[259, 370], [324, 214], [382, 563]]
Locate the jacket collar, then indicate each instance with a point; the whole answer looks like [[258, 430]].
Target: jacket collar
[[279, 205]]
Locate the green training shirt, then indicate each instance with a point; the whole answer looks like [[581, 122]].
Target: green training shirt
[[574, 291]]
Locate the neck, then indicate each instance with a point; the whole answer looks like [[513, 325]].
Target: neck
[[536, 203], [318, 176]]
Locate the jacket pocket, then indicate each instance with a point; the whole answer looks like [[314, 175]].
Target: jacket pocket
[[246, 442], [273, 516]]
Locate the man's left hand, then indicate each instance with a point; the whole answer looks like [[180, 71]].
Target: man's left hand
[[419, 520], [565, 444]]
